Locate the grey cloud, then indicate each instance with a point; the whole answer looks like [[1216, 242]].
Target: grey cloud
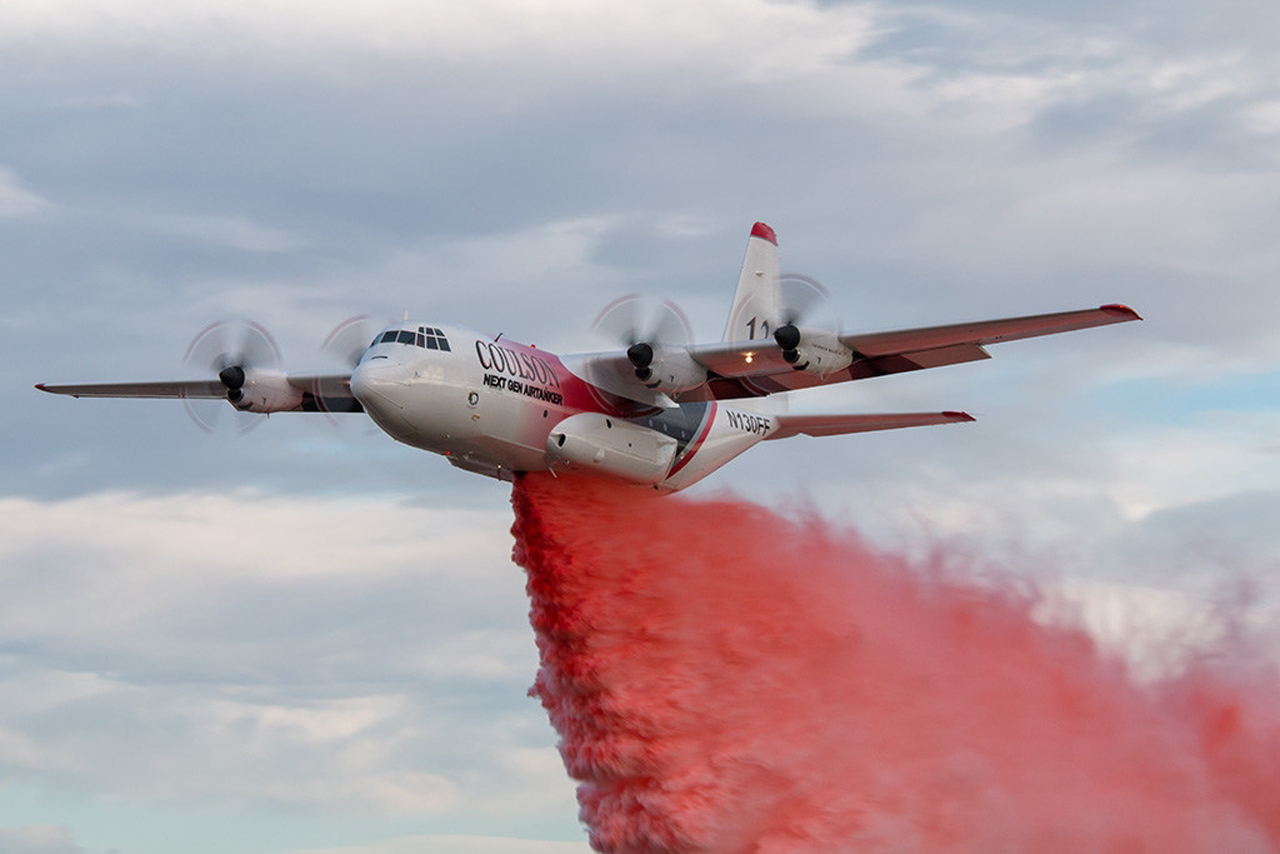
[[38, 839], [16, 201]]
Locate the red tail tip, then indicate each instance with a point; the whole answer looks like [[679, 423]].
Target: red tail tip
[[764, 232], [1121, 311]]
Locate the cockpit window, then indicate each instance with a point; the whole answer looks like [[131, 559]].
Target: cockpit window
[[435, 339], [428, 337]]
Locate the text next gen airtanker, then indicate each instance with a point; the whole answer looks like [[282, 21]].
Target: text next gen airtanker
[[660, 411]]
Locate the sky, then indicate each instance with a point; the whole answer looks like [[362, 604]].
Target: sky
[[304, 637]]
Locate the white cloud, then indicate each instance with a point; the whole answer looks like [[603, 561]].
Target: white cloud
[[16, 201], [1158, 630], [233, 232], [352, 654], [762, 40]]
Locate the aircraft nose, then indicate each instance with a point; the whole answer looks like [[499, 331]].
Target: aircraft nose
[[379, 384]]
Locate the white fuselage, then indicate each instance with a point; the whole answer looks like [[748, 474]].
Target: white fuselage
[[498, 407]]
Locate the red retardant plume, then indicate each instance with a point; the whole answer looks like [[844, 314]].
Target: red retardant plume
[[725, 680]]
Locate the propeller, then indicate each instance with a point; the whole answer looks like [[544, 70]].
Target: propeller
[[349, 339], [345, 346], [644, 326], [803, 300], [227, 349]]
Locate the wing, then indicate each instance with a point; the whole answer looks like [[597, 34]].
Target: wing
[[176, 388], [613, 372], [755, 368], [835, 425], [319, 392]]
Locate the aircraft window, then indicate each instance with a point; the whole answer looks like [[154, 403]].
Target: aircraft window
[[405, 336], [388, 337], [436, 340], [421, 342]]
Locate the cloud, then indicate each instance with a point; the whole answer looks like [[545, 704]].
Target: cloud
[[232, 232], [353, 654], [17, 202], [38, 839], [579, 32]]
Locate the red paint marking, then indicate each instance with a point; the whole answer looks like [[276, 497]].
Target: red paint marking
[[1121, 311], [697, 443], [726, 680], [764, 232]]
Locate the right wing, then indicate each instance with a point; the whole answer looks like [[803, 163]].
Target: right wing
[[176, 388], [835, 425], [319, 392]]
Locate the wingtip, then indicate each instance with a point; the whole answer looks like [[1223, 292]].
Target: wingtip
[[764, 232], [959, 417], [1123, 312], [41, 387]]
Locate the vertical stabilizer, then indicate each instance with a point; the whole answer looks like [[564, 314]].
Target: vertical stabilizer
[[758, 303]]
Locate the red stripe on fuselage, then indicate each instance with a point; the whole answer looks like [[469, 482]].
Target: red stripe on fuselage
[[531, 365], [697, 443], [585, 397]]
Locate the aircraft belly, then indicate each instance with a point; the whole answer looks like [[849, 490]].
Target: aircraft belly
[[480, 427]]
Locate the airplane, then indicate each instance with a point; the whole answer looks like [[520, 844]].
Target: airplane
[[660, 412]]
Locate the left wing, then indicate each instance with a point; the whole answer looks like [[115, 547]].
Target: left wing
[[754, 368]]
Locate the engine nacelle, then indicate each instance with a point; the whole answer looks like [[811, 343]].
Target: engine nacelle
[[592, 441], [256, 390], [667, 369], [813, 350]]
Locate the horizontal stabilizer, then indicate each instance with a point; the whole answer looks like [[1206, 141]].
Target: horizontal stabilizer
[[835, 425]]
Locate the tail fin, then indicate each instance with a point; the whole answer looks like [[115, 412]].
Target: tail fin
[[758, 302]]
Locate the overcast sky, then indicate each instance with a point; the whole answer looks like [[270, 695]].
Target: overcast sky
[[309, 638]]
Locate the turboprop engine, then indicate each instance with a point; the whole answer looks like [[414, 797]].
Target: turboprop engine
[[656, 335], [258, 390], [814, 350], [668, 370], [592, 441], [246, 361]]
